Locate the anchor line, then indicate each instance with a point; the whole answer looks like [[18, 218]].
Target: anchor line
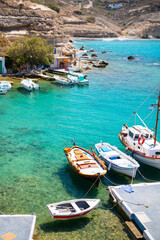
[[91, 187], [146, 179]]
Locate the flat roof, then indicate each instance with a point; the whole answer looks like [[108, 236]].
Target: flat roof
[[17, 227], [141, 206]]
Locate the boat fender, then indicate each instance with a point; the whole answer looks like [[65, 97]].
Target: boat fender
[[141, 140], [109, 166]]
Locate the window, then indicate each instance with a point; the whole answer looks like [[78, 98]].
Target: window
[[146, 135], [157, 153], [136, 136], [130, 134]]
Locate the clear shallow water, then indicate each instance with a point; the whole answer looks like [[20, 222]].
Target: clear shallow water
[[35, 127]]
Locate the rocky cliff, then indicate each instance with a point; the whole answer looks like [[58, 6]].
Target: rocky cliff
[[96, 18]]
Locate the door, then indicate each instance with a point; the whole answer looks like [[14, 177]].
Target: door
[[0, 67]]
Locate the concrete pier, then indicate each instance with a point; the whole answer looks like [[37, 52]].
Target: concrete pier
[[18, 227], [141, 205]]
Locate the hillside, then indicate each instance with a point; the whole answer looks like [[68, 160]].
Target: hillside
[[57, 20]]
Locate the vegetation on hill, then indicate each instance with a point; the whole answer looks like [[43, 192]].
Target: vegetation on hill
[[30, 51], [49, 3], [4, 43]]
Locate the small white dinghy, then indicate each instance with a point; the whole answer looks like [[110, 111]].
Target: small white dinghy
[[72, 209], [63, 81], [29, 84], [5, 85], [117, 160]]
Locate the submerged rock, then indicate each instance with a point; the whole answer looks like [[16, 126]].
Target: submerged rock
[[131, 58], [101, 64], [81, 48], [85, 55], [93, 55]]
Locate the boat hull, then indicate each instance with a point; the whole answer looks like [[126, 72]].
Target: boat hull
[[153, 162], [131, 172], [71, 216], [128, 166], [63, 81], [71, 208]]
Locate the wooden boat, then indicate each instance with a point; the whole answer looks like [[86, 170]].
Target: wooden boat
[[72, 209], [140, 141], [117, 160], [85, 163], [62, 80]]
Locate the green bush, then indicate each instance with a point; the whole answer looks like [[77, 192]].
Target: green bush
[[90, 19], [32, 51], [54, 7]]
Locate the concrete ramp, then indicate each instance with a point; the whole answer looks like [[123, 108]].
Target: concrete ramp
[[141, 205], [17, 227]]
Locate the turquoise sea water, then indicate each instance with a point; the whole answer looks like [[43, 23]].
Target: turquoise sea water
[[35, 127]]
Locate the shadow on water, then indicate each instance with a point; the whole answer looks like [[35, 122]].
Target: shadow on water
[[65, 226], [113, 178], [23, 91], [147, 173], [75, 185]]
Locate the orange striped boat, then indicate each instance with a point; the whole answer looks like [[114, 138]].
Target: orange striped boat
[[85, 163]]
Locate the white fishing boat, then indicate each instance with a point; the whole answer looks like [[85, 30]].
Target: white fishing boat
[[6, 85], [3, 91], [141, 142], [29, 84], [72, 209], [117, 160], [78, 78], [63, 81]]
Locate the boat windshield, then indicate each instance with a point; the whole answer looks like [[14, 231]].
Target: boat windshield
[[82, 204]]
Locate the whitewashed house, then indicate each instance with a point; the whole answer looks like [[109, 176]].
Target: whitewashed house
[[2, 66]]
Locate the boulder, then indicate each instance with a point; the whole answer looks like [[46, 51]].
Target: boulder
[[131, 58], [101, 64], [84, 55], [91, 50], [87, 68], [82, 48], [93, 55]]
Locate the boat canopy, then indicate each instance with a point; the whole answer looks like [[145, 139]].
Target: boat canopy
[[137, 131]]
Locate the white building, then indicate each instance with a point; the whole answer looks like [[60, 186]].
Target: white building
[[2, 66], [115, 6]]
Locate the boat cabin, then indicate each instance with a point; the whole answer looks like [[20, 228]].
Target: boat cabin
[[137, 131]]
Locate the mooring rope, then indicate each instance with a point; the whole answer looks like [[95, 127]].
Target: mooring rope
[[110, 181], [138, 204], [91, 187], [146, 179]]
